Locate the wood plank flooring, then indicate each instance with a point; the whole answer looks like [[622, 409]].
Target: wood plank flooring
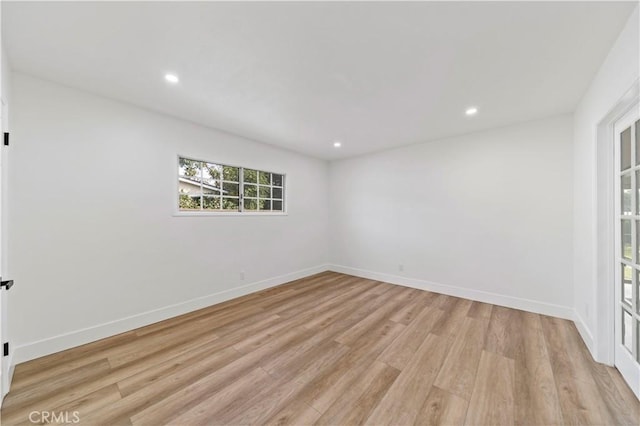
[[331, 350]]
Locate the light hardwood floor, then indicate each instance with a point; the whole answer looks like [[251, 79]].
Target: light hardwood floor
[[337, 350]]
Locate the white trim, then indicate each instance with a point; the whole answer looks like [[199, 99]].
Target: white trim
[[585, 333], [6, 374], [205, 213], [466, 293], [75, 338], [604, 264], [12, 369], [10, 372], [626, 360]]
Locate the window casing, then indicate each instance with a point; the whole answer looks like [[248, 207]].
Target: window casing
[[213, 187]]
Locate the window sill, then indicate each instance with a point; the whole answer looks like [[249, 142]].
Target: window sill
[[207, 214]]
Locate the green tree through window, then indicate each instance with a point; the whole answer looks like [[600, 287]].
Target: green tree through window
[[205, 186]]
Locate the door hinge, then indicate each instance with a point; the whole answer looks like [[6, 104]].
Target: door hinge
[[8, 284], [5, 349], [6, 138]]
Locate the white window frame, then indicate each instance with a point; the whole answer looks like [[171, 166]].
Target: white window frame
[[241, 212]]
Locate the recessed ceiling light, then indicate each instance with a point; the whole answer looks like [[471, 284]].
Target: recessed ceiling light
[[171, 78], [337, 144], [471, 111]]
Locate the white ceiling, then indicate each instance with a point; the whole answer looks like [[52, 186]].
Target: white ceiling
[[302, 75]]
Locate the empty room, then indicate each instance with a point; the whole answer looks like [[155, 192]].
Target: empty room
[[320, 213]]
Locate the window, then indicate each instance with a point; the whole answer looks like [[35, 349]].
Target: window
[[213, 187]]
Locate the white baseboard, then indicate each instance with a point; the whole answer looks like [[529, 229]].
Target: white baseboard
[[466, 293], [10, 370], [75, 338], [585, 333]]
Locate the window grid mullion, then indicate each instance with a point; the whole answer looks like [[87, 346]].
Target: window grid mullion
[[203, 165], [241, 189], [201, 188], [634, 245]]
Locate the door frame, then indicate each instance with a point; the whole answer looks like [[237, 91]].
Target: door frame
[[627, 364], [5, 363], [4, 368], [604, 350]]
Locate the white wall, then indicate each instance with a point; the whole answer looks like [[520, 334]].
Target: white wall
[[5, 77], [615, 77], [90, 248], [485, 216]]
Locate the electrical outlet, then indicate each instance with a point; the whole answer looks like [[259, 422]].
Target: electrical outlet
[[401, 268], [241, 275]]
